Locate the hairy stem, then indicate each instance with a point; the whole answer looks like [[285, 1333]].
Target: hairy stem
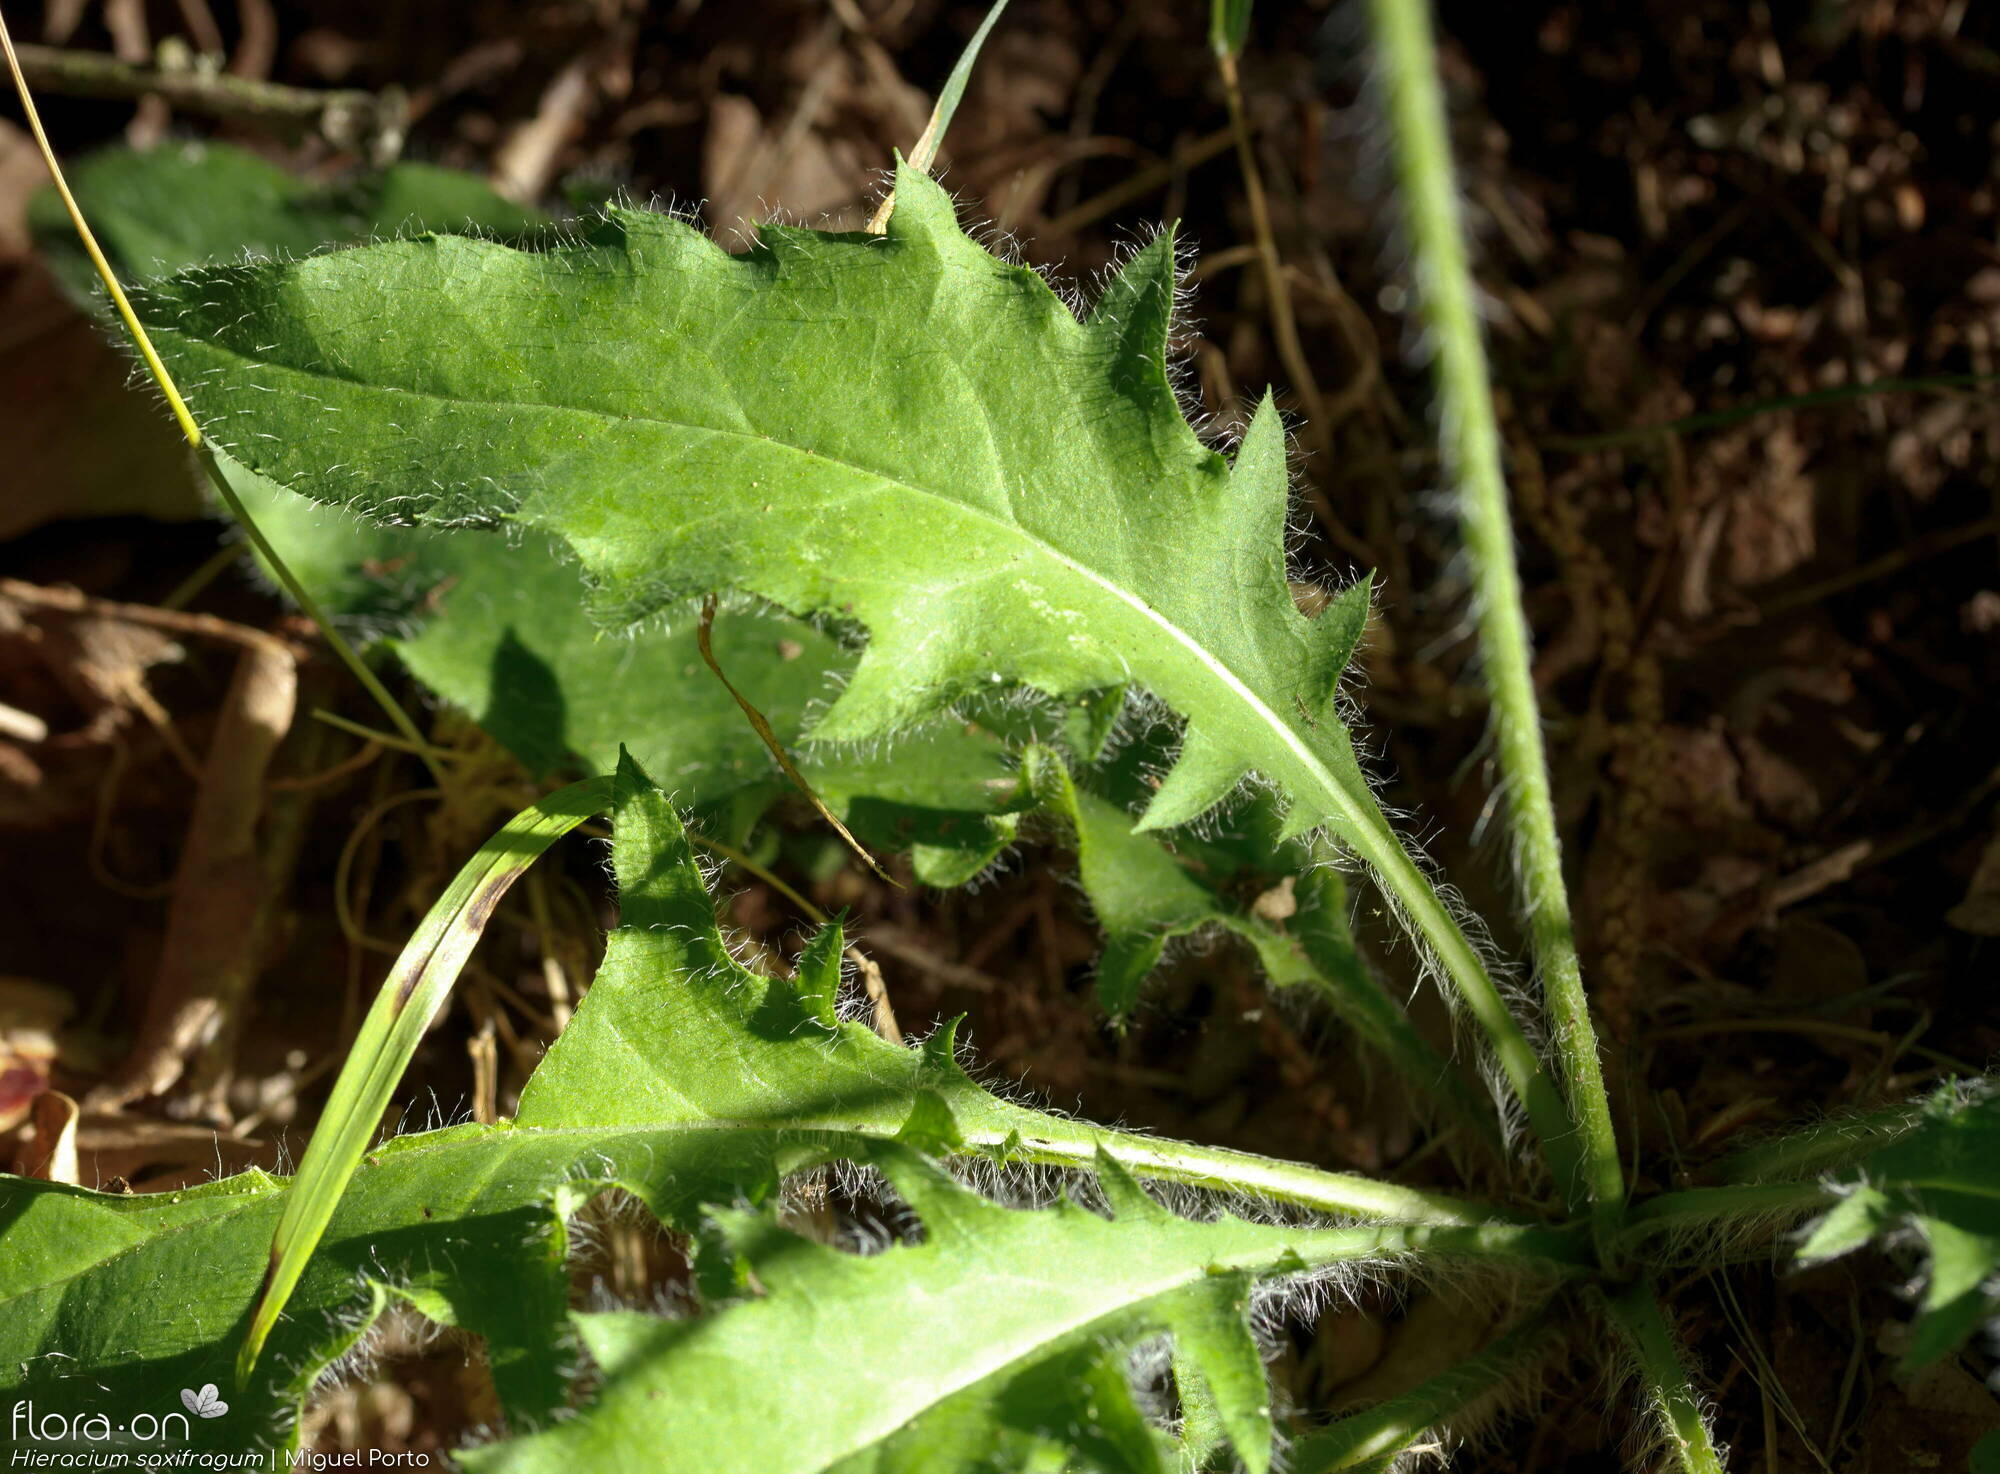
[[1217, 1169], [1470, 433], [1823, 1147], [1669, 1394], [1706, 1210]]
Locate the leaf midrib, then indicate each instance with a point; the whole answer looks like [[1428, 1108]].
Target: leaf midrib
[[1193, 1269], [502, 1134], [1076, 1330], [1358, 813]]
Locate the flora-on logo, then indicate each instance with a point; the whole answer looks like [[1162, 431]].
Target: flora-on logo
[[28, 1425], [206, 1403]]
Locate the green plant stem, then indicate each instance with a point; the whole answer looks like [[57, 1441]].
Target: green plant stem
[[1369, 1439], [1219, 1170], [1820, 1148], [1697, 1207], [1470, 432], [1636, 1311], [1425, 915]]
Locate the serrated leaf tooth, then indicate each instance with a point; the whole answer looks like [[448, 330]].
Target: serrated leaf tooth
[[659, 882], [1212, 1333], [924, 212], [818, 973], [1332, 636], [949, 1210], [1134, 313], [1202, 777], [940, 1051], [930, 1125], [1121, 1189], [1260, 495], [894, 686]]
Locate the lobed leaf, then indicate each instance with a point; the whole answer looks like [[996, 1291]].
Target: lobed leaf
[[1936, 1186], [903, 431], [900, 431], [1003, 1334], [1144, 897], [496, 627], [683, 1079]]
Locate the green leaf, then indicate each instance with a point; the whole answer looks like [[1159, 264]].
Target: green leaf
[[900, 431], [1144, 897], [1003, 1330], [158, 211], [690, 1034], [497, 627], [1228, 26], [916, 489], [683, 1079], [1937, 1185]]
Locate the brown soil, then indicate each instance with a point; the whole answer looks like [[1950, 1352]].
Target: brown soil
[[1767, 605]]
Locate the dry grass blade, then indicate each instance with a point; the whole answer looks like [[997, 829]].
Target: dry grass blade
[[925, 151]]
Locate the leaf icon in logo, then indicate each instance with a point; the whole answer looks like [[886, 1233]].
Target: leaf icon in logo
[[206, 1403]]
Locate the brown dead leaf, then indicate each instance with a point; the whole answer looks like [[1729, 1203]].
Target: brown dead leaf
[[159, 1155], [1779, 787], [1278, 904], [80, 442], [31, 1016], [751, 165], [1437, 1331], [49, 1152], [1701, 776], [217, 922], [1771, 529]]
